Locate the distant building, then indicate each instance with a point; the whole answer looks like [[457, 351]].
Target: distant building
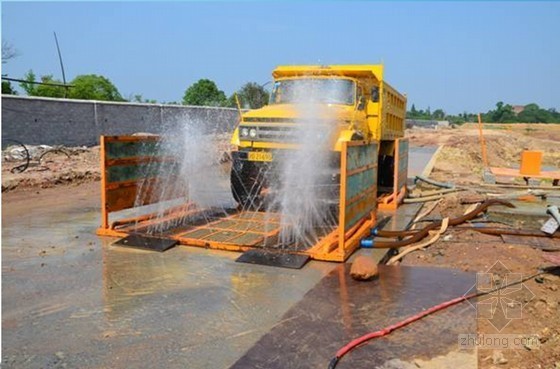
[[517, 109]]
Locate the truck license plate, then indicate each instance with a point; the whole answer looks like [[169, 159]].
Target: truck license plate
[[260, 156]]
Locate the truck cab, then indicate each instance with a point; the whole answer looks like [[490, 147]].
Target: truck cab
[[336, 103]]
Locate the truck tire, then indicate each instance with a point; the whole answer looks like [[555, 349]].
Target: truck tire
[[245, 184]]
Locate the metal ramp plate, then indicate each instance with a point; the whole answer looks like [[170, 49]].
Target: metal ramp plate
[[146, 243], [273, 258]]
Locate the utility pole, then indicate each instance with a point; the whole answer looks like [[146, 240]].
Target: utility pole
[[61, 65]]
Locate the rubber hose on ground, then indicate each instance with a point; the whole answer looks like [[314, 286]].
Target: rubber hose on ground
[[417, 236]]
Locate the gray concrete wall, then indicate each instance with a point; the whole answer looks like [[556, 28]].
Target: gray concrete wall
[[47, 121], [431, 124]]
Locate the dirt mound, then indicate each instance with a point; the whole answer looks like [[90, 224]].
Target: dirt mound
[[460, 159], [50, 167]]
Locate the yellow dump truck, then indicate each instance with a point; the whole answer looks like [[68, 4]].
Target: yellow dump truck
[[354, 99]]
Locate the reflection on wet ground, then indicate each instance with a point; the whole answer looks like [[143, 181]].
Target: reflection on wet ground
[[80, 302], [71, 299], [339, 309]]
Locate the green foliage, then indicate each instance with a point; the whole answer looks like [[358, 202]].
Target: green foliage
[[204, 93], [534, 114], [29, 88], [503, 113], [531, 113], [7, 88], [421, 114], [140, 99], [231, 103], [42, 90], [438, 114], [94, 87], [86, 87], [251, 96]]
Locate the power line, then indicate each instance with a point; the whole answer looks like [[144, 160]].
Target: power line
[[36, 83]]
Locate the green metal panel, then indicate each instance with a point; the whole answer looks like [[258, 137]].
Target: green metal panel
[[131, 149], [135, 172], [361, 187], [357, 183], [360, 156]]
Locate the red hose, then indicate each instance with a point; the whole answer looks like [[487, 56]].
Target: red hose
[[385, 331]]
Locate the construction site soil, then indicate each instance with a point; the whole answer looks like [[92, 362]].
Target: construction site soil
[[458, 161]]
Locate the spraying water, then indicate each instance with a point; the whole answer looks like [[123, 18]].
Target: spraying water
[[194, 175], [300, 186], [307, 188]]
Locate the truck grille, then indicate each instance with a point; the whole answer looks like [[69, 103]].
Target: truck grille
[[276, 134], [289, 133]]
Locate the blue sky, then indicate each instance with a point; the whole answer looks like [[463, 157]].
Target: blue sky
[[458, 56]]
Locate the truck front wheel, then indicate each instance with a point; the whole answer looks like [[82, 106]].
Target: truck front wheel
[[246, 184]]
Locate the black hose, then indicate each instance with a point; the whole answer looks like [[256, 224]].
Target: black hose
[[23, 167], [53, 151]]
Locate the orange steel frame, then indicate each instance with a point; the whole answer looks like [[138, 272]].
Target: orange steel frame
[[395, 198], [336, 246]]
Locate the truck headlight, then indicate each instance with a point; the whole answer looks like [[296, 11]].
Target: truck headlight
[[253, 132], [244, 132]]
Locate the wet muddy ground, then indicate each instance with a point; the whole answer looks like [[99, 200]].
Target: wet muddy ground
[[70, 299]]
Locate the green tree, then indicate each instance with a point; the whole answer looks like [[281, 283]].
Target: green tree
[[532, 113], [7, 88], [503, 114], [438, 114], [252, 96], [204, 92], [140, 99], [555, 116], [230, 102], [43, 90], [28, 86], [94, 87]]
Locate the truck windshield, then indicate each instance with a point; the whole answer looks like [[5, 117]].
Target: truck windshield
[[314, 90]]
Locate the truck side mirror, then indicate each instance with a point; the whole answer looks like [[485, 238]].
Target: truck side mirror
[[375, 94]]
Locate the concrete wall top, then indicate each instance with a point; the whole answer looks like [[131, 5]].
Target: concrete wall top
[[51, 121], [125, 103]]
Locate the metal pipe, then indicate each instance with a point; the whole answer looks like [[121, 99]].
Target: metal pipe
[[422, 194], [433, 182], [510, 231], [423, 199]]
